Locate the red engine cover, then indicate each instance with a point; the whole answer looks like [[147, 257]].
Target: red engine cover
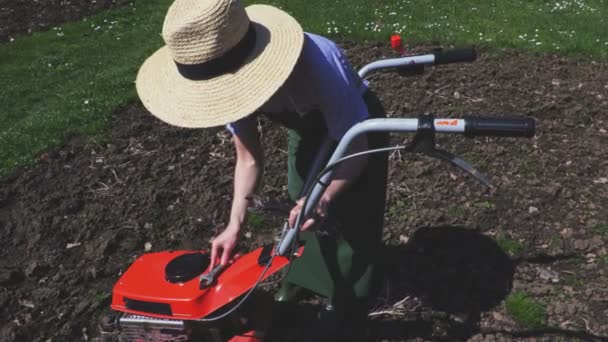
[[144, 282]]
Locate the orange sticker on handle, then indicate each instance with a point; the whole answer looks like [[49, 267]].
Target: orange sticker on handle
[[447, 123]]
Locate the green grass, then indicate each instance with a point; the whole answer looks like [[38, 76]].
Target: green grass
[[255, 220], [486, 205], [574, 26], [456, 211], [525, 311], [72, 77], [510, 246], [102, 296], [601, 228], [397, 209], [531, 167], [574, 280]]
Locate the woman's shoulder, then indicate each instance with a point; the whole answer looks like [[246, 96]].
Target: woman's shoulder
[[315, 44]]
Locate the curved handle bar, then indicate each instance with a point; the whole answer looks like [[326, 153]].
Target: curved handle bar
[[455, 56], [436, 58], [513, 127], [499, 127]]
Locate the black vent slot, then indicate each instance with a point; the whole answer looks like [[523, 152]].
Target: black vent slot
[[149, 307], [186, 267]]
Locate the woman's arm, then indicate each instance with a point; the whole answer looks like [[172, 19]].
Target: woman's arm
[[247, 176], [345, 174], [247, 173], [348, 171]]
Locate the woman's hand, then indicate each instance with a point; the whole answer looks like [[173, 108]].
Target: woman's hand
[[318, 215], [223, 245]]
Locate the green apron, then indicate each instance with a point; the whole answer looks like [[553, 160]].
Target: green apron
[[339, 266]]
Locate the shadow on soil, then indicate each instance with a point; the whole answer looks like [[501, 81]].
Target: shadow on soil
[[454, 270], [457, 271]]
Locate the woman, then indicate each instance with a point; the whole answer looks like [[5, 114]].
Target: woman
[[224, 64]]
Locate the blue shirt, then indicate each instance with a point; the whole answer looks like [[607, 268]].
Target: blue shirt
[[321, 80]]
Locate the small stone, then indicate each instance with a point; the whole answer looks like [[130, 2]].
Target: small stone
[[92, 272], [565, 324], [147, 247], [581, 244], [148, 225], [72, 245], [35, 270], [518, 285], [403, 239], [532, 210], [81, 308], [456, 95], [566, 233], [27, 303], [541, 290], [498, 316], [596, 242], [548, 275], [571, 309], [248, 235]]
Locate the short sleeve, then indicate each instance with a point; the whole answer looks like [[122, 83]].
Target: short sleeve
[[339, 88], [238, 127]]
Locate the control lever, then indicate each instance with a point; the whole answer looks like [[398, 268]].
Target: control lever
[[424, 142], [462, 164]]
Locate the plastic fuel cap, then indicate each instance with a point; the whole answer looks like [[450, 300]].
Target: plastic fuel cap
[[186, 267]]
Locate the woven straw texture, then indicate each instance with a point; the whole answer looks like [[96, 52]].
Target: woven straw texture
[[229, 97]]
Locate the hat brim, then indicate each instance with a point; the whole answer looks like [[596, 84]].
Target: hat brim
[[197, 104]]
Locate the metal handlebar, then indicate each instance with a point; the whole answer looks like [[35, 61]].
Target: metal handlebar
[[435, 58], [513, 127]]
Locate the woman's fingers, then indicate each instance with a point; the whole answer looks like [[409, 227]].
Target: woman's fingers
[[309, 223], [319, 215], [227, 251], [214, 250], [293, 214]]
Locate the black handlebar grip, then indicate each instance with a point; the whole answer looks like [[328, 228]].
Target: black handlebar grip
[[455, 56], [499, 127]]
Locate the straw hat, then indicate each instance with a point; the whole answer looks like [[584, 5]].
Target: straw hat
[[221, 61]]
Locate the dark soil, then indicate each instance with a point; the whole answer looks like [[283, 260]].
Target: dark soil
[[27, 16], [454, 249]]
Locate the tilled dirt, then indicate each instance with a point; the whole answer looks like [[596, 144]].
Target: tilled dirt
[[454, 249], [27, 16]]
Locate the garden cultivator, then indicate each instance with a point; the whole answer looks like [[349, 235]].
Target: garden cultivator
[[173, 296]]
